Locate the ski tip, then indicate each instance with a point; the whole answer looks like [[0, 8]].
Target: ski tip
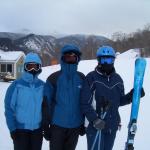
[[141, 61]]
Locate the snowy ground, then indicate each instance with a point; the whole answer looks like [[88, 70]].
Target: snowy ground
[[125, 67]]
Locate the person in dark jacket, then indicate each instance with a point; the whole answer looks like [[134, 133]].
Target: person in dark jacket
[[105, 88], [23, 106], [64, 121]]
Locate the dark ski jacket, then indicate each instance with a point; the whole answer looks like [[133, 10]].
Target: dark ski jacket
[[98, 86], [62, 94]]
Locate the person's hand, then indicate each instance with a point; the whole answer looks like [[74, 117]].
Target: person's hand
[[99, 124], [82, 130], [14, 135], [46, 133], [142, 93]]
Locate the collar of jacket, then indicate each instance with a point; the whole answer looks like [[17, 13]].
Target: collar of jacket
[[28, 77], [68, 69], [98, 70]]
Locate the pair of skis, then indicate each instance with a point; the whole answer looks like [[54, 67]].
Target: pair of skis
[[140, 65]]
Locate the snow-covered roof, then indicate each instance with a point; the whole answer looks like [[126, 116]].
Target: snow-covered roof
[[10, 55]]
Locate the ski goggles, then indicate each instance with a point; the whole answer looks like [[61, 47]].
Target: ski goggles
[[32, 66], [106, 60], [70, 58]]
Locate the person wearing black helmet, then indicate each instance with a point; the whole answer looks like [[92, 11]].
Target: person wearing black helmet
[[23, 106], [105, 88], [62, 118]]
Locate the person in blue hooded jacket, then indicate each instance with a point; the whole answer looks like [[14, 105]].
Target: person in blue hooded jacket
[[101, 96], [23, 106], [65, 121]]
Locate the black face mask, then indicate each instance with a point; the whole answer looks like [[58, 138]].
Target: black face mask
[[107, 68]]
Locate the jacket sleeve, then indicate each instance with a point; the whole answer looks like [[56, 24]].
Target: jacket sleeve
[[48, 91], [9, 110], [46, 105], [87, 98], [45, 113], [125, 98]]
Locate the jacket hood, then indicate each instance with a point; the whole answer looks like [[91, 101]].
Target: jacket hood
[[70, 48], [28, 77], [69, 69], [33, 57]]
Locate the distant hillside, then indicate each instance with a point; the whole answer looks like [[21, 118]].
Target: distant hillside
[[12, 36], [48, 47], [139, 39], [87, 43]]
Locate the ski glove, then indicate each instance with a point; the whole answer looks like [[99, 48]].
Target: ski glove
[[82, 130], [99, 124], [131, 93], [14, 135], [46, 133]]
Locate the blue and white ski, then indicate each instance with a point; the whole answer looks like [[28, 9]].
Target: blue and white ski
[[140, 65]]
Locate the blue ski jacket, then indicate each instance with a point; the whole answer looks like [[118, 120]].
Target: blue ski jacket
[[66, 94], [98, 86], [23, 100]]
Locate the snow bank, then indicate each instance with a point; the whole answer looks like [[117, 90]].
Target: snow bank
[[125, 67]]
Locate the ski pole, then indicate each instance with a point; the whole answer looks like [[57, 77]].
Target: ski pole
[[95, 139], [98, 134], [104, 109], [99, 142]]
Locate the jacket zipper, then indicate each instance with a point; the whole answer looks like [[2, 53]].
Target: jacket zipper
[[108, 78]]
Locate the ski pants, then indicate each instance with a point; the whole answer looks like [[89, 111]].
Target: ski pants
[[107, 139], [28, 140], [63, 138]]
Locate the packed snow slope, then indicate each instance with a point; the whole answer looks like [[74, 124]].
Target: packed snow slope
[[124, 65]]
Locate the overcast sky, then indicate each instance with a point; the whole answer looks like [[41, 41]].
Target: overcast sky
[[100, 17]]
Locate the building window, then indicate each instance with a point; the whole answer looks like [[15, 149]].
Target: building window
[[6, 68], [3, 67], [9, 68]]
